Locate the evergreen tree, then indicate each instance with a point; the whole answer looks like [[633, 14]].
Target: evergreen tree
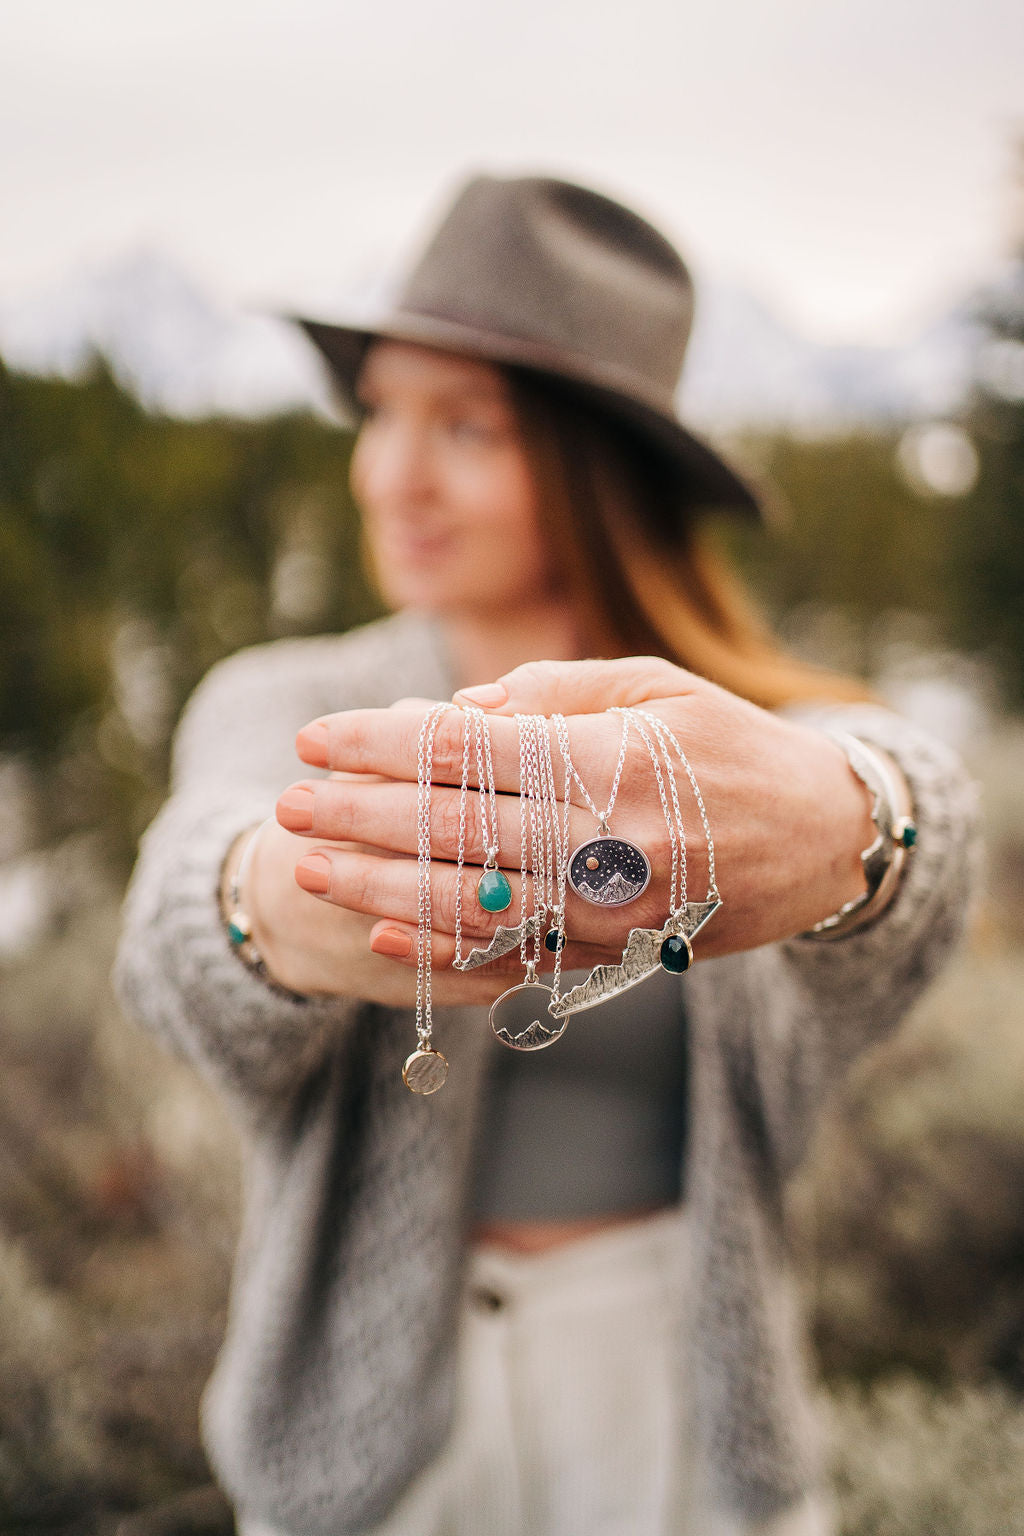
[[989, 551]]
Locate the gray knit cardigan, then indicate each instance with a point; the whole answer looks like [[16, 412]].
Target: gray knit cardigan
[[334, 1385]]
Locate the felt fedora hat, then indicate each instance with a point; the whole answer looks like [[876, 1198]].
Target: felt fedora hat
[[558, 279]]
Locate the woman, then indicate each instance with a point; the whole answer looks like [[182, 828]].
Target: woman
[[554, 1297]]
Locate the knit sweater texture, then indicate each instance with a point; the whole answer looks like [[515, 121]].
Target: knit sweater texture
[[334, 1384]]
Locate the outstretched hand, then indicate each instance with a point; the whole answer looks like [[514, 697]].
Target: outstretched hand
[[787, 815]]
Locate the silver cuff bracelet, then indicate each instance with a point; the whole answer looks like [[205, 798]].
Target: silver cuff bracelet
[[884, 858]]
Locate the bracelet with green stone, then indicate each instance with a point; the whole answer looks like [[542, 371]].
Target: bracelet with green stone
[[239, 924], [884, 858]]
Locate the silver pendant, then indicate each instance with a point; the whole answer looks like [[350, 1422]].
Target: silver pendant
[[505, 940], [515, 1017], [609, 871], [640, 959], [425, 1071]]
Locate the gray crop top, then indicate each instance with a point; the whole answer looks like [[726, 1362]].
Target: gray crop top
[[594, 1124]]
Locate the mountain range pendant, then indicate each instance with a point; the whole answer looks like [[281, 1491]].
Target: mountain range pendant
[[504, 940], [640, 959], [609, 871], [516, 1017]]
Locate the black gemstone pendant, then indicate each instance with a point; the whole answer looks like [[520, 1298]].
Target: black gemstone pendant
[[553, 940], [676, 954]]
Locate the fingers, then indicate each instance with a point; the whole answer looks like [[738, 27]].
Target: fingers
[[364, 882], [580, 687], [383, 814], [389, 888], [386, 741], [399, 942]]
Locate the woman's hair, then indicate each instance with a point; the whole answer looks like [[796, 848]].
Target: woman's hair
[[635, 559]]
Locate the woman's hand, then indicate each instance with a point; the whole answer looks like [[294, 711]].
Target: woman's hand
[[321, 947], [788, 817]]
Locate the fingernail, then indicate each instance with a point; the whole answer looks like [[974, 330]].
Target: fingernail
[[313, 873], [295, 810], [311, 744], [391, 941], [487, 695]]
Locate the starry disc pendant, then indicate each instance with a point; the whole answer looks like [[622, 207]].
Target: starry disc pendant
[[609, 871], [517, 1017], [425, 1071]]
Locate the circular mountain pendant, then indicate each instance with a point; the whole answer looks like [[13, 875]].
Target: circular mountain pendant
[[520, 1018], [609, 871]]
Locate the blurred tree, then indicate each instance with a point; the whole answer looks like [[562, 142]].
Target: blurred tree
[[852, 538], [134, 552], [989, 552]]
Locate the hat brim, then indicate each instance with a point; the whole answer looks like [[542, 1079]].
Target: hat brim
[[712, 484]]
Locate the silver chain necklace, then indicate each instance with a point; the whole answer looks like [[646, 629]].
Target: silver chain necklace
[[669, 946], [606, 871], [516, 1016], [425, 1069], [506, 938]]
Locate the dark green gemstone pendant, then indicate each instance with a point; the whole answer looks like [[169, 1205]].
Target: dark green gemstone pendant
[[676, 954], [553, 940], [493, 891]]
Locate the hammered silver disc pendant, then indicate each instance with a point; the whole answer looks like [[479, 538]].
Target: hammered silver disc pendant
[[609, 871], [425, 1070], [518, 1015]]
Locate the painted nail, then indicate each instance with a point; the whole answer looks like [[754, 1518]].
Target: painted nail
[[311, 744], [295, 810], [391, 941], [313, 873], [487, 695]]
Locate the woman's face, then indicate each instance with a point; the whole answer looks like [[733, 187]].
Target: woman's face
[[440, 473]]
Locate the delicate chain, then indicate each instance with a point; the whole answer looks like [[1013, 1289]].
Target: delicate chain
[[673, 817], [602, 816], [424, 769], [532, 852], [461, 853], [560, 836], [548, 820], [485, 781], [662, 731]]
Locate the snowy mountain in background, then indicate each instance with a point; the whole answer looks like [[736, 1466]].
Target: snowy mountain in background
[[167, 341], [746, 367], [183, 354]]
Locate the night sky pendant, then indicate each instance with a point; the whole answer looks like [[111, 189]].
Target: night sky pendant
[[517, 1017], [609, 871]]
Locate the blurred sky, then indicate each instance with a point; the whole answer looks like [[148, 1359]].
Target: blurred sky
[[850, 162]]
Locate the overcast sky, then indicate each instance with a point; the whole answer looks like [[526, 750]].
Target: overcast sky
[[851, 161]]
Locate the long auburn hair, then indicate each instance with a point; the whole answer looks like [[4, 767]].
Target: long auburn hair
[[634, 558]]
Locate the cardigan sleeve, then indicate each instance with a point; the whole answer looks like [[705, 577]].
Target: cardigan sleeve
[[821, 1003], [175, 970]]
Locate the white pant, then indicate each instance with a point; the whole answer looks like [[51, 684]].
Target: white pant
[[569, 1417]]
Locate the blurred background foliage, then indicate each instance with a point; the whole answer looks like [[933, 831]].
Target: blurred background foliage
[[134, 551]]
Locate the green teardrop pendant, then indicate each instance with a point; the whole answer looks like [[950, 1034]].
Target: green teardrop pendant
[[493, 891]]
